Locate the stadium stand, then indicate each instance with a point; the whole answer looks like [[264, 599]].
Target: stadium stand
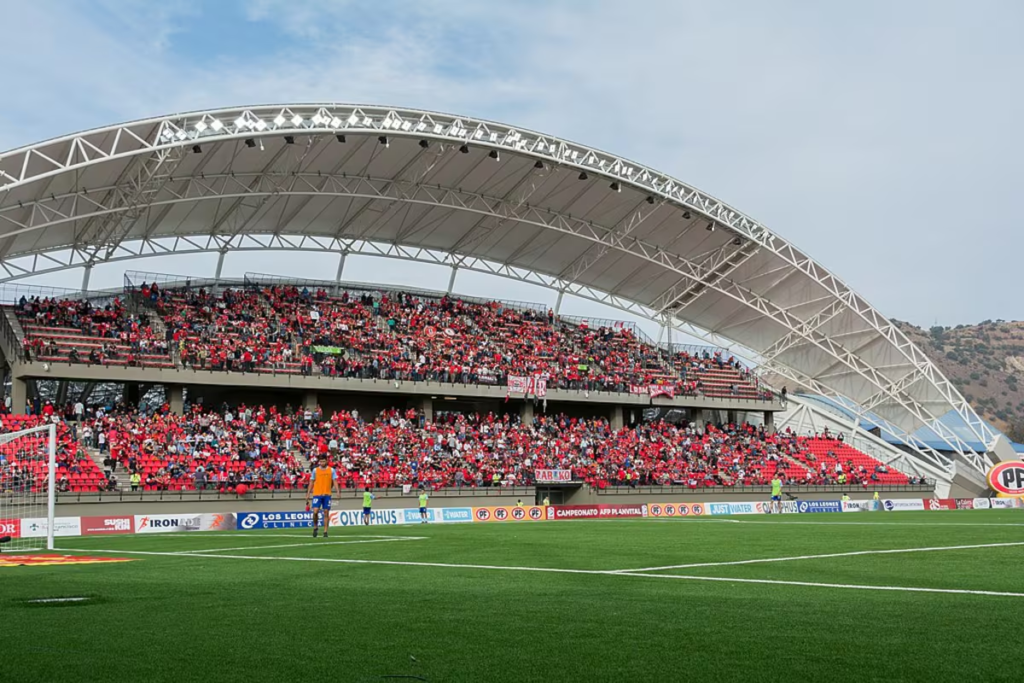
[[77, 331], [387, 335], [76, 471], [265, 448]]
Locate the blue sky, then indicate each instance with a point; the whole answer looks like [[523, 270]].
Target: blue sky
[[883, 138]]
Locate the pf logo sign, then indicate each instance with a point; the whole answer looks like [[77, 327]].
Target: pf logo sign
[[1007, 478]]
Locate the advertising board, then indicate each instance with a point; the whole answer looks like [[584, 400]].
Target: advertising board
[[1007, 478], [552, 476], [36, 527], [246, 521], [162, 524], [675, 509], [104, 525], [508, 513], [903, 504], [10, 527], [819, 506], [564, 512]]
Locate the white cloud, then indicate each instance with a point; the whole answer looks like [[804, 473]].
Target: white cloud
[[879, 137]]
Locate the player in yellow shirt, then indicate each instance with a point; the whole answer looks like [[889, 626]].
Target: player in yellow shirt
[[321, 488]]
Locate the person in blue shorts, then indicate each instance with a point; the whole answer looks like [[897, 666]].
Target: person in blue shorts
[[367, 505], [318, 496], [424, 517], [776, 505]]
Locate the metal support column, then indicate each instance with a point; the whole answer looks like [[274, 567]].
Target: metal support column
[[558, 302], [341, 272], [451, 280], [220, 264], [86, 275]]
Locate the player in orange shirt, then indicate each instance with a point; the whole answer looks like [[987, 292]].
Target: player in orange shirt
[[321, 486]]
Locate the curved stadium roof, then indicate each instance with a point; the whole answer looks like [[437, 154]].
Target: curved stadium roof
[[471, 194]]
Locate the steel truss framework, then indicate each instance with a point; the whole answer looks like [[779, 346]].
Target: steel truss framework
[[102, 224]]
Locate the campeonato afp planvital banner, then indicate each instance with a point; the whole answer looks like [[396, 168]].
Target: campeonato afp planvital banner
[[560, 512]]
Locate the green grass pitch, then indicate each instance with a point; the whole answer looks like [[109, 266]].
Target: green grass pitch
[[535, 602]]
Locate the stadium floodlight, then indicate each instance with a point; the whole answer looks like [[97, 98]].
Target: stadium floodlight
[[494, 155], [240, 122], [261, 124], [406, 126], [296, 120], [29, 501], [383, 139], [316, 119], [201, 126], [438, 128], [335, 122], [420, 127], [479, 134], [279, 120], [353, 120], [180, 135], [367, 121], [216, 125]]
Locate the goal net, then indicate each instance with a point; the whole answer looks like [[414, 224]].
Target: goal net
[[27, 480]]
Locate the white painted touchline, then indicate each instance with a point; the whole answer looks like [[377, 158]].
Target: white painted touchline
[[907, 589], [556, 570], [311, 543], [48, 600], [767, 522], [817, 557]]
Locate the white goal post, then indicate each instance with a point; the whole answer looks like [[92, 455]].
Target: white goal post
[[28, 485]]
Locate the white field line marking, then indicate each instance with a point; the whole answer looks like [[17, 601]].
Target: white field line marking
[[854, 586], [891, 551], [303, 545], [557, 570], [49, 600]]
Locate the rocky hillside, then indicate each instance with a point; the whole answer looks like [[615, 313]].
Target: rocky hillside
[[986, 363]]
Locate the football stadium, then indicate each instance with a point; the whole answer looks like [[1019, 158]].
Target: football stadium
[[272, 477]]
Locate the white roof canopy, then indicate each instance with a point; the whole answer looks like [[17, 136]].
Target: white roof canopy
[[471, 194]]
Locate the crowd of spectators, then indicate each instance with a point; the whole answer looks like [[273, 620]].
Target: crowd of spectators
[[77, 331], [389, 336], [267, 448], [405, 337], [23, 460]]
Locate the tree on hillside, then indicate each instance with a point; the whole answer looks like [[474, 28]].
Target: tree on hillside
[[1015, 432]]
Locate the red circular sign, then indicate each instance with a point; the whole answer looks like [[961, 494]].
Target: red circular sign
[[1007, 478]]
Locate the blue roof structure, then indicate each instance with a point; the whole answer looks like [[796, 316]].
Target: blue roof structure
[[925, 435]]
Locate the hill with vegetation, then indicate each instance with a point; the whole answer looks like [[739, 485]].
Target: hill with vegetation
[[985, 362]]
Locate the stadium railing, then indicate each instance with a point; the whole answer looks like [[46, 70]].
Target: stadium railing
[[127, 496]]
